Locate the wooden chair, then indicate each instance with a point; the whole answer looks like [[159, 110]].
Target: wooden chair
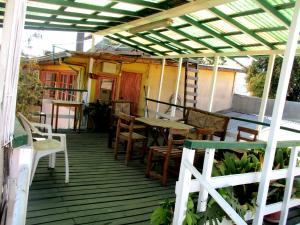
[[125, 128], [250, 131], [119, 106], [46, 146], [172, 151]]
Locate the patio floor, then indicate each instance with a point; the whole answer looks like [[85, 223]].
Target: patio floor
[[101, 190]]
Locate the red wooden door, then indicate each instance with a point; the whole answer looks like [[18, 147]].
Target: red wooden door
[[130, 88]]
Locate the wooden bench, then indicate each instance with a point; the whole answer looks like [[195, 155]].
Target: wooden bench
[[206, 120]]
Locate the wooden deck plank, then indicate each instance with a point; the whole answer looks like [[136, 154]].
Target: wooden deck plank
[[101, 190]]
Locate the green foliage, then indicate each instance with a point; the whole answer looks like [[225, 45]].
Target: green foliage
[[257, 73], [163, 215], [29, 87]]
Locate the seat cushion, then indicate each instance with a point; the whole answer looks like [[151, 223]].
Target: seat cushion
[[135, 136], [46, 145]]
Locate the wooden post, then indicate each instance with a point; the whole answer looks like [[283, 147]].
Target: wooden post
[[173, 112], [160, 85], [182, 187], [285, 75], [213, 84], [264, 99]]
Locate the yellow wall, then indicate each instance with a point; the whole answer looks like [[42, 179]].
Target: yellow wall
[[151, 78]]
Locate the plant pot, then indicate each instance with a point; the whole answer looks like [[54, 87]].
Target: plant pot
[[273, 217]]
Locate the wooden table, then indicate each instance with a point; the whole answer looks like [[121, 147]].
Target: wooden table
[[76, 105], [161, 125]]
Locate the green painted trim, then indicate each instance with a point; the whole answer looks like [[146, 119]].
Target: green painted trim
[[67, 27], [274, 12], [193, 144], [138, 44], [241, 27], [20, 135], [212, 32], [192, 50], [89, 7], [65, 89]]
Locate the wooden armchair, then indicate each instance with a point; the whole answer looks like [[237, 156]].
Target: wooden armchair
[[125, 132], [250, 131], [172, 151], [119, 106]]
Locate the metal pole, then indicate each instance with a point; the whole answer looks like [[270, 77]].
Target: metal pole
[[160, 85], [266, 91], [213, 84], [173, 112], [285, 75]]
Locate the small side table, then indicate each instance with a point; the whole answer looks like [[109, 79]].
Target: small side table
[[76, 105]]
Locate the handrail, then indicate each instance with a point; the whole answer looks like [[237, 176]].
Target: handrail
[[64, 89], [232, 117], [196, 144]]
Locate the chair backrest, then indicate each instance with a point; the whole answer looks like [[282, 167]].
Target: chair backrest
[[250, 131], [126, 122], [27, 126], [207, 120], [121, 106], [176, 137]]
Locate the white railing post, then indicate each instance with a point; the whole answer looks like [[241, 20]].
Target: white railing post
[[182, 187], [213, 83], [160, 85], [206, 172], [173, 111], [264, 99], [285, 75], [289, 185]]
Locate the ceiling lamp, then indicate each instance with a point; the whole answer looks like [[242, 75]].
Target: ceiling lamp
[[151, 26]]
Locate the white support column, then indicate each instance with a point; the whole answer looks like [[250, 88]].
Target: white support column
[[160, 85], [285, 75], [183, 186], [213, 84], [207, 170], [289, 185], [173, 112], [266, 91], [93, 43], [89, 85]]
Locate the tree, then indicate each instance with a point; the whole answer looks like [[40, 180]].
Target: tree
[[29, 87], [257, 74]]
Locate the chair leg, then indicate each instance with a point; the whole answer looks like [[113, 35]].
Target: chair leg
[[165, 172], [128, 151], [34, 166], [52, 159], [66, 166], [149, 163], [117, 147]]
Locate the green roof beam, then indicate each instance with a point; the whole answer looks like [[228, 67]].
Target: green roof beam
[[190, 37], [132, 46], [192, 50], [162, 44], [156, 6], [241, 27], [212, 32], [67, 27], [89, 7], [274, 13], [138, 43]]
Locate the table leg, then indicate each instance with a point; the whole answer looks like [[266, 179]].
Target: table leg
[[75, 122], [52, 115], [80, 117], [56, 121]]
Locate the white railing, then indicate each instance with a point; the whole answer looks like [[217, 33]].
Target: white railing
[[206, 185]]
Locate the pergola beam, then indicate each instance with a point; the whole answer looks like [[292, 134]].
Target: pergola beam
[[241, 27], [170, 13], [89, 7], [274, 13], [212, 32]]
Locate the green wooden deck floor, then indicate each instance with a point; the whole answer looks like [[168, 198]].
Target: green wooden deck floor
[[101, 190]]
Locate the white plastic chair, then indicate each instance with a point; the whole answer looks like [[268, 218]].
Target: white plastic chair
[[45, 146]]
